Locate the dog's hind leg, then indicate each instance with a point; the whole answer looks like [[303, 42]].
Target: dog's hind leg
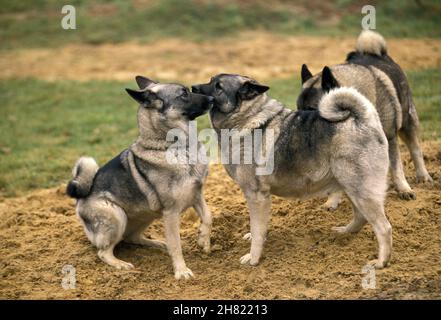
[[135, 235], [367, 195], [204, 214], [333, 201], [107, 256], [409, 134], [372, 210], [104, 224], [141, 240], [259, 204], [356, 223], [396, 166]]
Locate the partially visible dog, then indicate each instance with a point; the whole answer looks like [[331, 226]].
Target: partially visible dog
[[372, 71], [340, 146], [119, 200]]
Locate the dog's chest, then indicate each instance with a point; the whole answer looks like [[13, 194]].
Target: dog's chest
[[184, 185]]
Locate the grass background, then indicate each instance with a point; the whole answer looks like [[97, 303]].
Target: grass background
[[36, 23], [46, 126]]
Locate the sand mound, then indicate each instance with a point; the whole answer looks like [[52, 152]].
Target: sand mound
[[303, 258]]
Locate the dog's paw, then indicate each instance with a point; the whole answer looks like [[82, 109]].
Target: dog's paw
[[184, 273], [108, 257], [342, 229], [122, 265], [245, 259], [407, 195], [143, 241], [204, 243], [161, 245], [330, 206], [424, 178], [350, 228], [248, 259], [378, 264], [204, 238], [247, 236], [333, 201]]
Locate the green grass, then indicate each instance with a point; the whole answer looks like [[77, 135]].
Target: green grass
[[37, 23], [46, 126]]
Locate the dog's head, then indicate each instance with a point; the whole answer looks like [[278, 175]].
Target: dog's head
[[314, 87], [230, 91], [169, 102]]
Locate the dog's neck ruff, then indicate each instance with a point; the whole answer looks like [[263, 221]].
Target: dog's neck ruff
[[152, 144], [260, 112], [252, 114]]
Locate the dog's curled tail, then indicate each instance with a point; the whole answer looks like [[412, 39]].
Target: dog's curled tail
[[370, 42], [83, 174], [342, 103]]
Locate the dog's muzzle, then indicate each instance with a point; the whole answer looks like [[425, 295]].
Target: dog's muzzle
[[195, 89]]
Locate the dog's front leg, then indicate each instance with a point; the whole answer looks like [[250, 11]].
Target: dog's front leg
[[173, 238], [259, 205], [206, 220]]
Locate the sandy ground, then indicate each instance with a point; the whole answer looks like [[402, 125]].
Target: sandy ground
[[303, 258], [263, 56]]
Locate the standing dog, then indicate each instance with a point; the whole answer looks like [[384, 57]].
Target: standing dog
[[373, 72], [340, 146], [119, 200]]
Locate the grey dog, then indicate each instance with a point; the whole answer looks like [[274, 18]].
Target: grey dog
[[119, 200], [372, 71], [340, 146]]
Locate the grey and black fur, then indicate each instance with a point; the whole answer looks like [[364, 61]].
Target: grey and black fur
[[119, 200], [338, 146], [373, 72]]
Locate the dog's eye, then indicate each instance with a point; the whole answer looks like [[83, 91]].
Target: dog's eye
[[184, 94], [218, 87]]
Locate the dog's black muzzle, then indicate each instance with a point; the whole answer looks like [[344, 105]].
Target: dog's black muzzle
[[201, 105]]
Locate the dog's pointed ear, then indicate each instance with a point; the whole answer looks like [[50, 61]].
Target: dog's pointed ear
[[138, 95], [306, 74], [145, 97], [143, 82], [328, 80], [251, 89]]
